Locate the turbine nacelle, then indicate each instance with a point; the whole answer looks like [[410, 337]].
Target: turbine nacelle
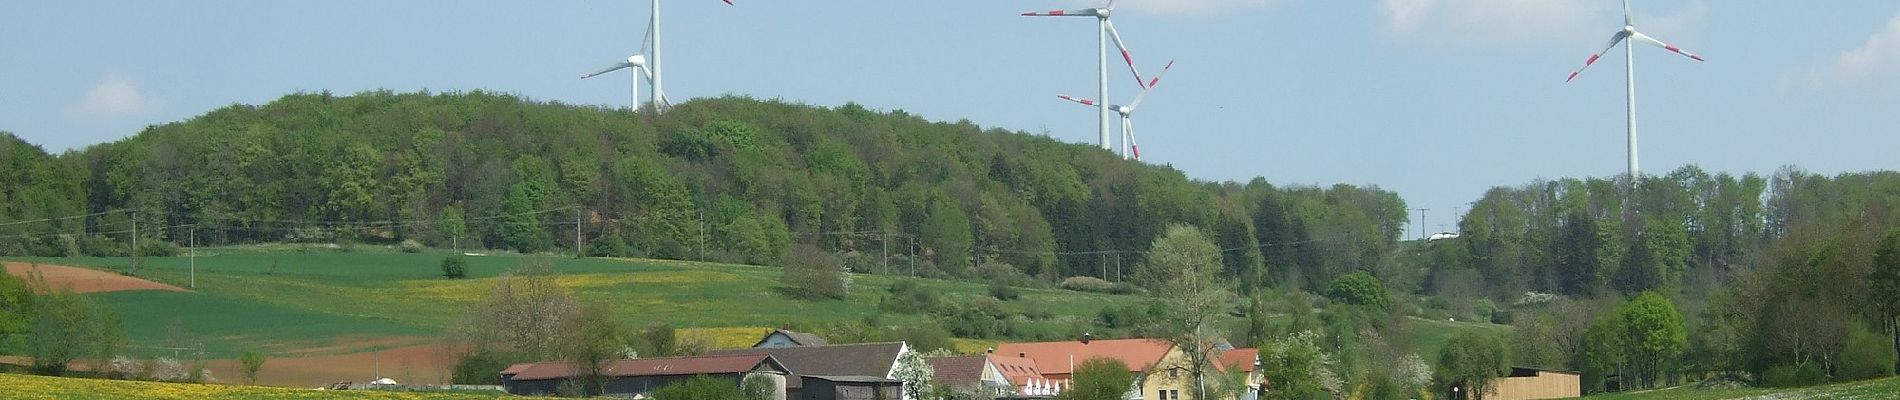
[[1629, 29], [637, 60]]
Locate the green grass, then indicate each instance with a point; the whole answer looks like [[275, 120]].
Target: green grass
[[1885, 388], [274, 299], [30, 387]]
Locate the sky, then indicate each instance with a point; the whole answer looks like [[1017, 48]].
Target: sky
[[1438, 100]]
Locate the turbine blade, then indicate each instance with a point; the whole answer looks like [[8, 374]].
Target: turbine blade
[[729, 2], [646, 43], [1086, 12], [1658, 43], [612, 68], [1151, 87], [1134, 146], [1628, 19], [1077, 100], [1126, 57], [1614, 39], [1110, 6]]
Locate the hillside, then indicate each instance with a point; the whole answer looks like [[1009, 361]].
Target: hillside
[[724, 179]]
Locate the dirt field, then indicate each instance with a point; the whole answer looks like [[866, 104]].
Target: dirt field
[[82, 280], [426, 363]]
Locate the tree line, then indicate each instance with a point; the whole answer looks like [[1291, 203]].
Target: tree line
[[727, 179]]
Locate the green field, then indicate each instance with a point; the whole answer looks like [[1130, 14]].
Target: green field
[[283, 300], [32, 387], [1886, 388], [280, 299]]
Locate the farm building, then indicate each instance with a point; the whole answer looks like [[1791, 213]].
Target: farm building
[[869, 359], [643, 376], [1531, 383], [850, 388], [787, 338]]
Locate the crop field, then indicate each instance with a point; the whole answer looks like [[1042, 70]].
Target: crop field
[[33, 387], [1886, 388]]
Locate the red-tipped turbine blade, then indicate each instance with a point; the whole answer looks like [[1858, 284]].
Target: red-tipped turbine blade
[[1673, 49], [1614, 39], [1151, 87], [1087, 12], [728, 2], [1126, 57], [1082, 101]]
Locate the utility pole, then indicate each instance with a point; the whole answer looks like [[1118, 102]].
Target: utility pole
[[578, 212], [702, 234], [191, 249], [135, 240], [1421, 222]]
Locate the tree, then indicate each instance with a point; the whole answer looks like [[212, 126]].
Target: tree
[[1471, 362], [758, 387], [814, 274], [915, 373], [453, 226], [1297, 369], [699, 387], [526, 315], [69, 327], [16, 312], [1359, 288], [251, 362], [455, 267], [597, 340], [1656, 337], [1884, 282], [1099, 378], [1181, 270]]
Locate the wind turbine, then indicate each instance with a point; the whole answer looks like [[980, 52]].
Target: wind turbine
[[1629, 67], [1128, 129], [1105, 31], [651, 65]]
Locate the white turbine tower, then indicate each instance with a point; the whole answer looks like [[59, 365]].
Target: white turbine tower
[[648, 63], [1629, 67], [1128, 128], [1105, 31]]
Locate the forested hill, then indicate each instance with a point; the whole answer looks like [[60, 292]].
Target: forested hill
[[497, 171]]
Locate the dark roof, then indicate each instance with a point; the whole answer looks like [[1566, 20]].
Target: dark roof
[[957, 370], [1519, 372], [854, 379], [803, 339], [869, 359], [727, 364]]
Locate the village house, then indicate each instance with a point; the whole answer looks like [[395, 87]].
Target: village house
[[975, 376], [787, 338], [1162, 371], [640, 377], [857, 368]]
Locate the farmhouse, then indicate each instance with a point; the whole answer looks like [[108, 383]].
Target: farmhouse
[[1162, 371], [976, 376], [849, 364], [788, 338], [640, 377]]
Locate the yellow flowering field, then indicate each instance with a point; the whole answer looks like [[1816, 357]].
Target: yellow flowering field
[[32, 387], [734, 337]]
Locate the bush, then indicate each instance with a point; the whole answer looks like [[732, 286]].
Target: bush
[[1002, 291], [455, 267], [157, 248], [700, 387], [409, 246], [608, 244], [814, 274], [906, 296], [479, 368], [101, 246], [1087, 284], [1867, 356]]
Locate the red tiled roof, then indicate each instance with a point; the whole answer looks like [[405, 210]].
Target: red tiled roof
[[1243, 358], [1018, 370], [957, 370], [648, 367], [1058, 358]]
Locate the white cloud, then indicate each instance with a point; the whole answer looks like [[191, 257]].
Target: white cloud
[[1514, 22], [113, 97], [1176, 7], [1879, 57]]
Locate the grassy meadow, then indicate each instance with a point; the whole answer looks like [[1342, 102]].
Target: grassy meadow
[[34, 387], [1885, 388]]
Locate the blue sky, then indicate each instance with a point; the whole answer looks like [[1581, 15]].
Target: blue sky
[[1436, 99]]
